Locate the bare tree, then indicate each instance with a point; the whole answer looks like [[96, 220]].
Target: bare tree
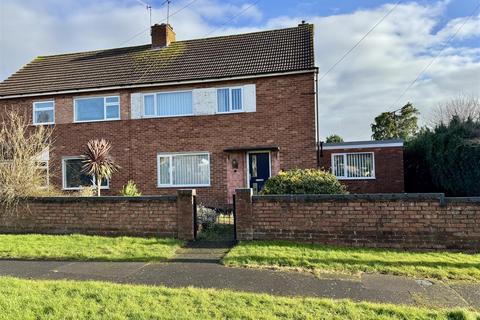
[[21, 146], [464, 106]]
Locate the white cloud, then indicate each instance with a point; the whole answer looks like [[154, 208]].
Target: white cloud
[[365, 84], [462, 28], [372, 77], [223, 12]]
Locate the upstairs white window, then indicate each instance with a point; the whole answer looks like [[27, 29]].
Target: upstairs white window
[[74, 178], [168, 104], [353, 165], [183, 170], [44, 112], [97, 109], [229, 100]]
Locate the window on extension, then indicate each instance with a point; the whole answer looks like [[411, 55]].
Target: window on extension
[[353, 166]]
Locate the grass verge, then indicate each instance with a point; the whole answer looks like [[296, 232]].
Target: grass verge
[[433, 265], [32, 299], [86, 248]]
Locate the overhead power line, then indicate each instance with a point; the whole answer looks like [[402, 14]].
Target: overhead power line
[[232, 18], [453, 36], [359, 41]]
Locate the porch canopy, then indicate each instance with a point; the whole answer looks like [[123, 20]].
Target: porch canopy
[[252, 148]]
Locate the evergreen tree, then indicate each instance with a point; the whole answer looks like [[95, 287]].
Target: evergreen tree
[[333, 138], [399, 124]]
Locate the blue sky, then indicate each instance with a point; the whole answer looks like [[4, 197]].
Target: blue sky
[[367, 82]]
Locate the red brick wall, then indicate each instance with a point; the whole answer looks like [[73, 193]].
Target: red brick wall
[[170, 216], [285, 116], [237, 178], [394, 221], [389, 176]]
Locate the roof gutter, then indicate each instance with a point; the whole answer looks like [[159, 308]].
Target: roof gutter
[[155, 84]]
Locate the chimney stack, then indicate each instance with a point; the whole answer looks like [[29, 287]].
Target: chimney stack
[[162, 35]]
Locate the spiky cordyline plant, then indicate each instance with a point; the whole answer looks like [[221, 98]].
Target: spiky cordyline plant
[[98, 162]]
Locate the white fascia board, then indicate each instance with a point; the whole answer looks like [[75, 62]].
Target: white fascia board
[[365, 146]]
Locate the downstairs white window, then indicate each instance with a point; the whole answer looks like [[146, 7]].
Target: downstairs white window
[[360, 165], [74, 178], [183, 170], [42, 167]]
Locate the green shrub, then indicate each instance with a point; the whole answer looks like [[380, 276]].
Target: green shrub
[[304, 181], [130, 190], [206, 216], [445, 159]]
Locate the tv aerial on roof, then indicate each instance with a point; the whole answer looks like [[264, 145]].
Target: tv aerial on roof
[[148, 7]]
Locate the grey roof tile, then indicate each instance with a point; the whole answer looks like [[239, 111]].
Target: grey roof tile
[[272, 51]]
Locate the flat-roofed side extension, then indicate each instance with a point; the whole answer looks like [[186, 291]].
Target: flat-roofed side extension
[[366, 166]]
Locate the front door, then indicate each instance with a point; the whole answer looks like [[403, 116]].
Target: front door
[[258, 169]]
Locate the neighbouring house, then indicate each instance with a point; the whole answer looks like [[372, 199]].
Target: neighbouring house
[[366, 166], [212, 114]]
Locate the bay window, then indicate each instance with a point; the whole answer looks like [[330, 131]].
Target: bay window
[[183, 170]]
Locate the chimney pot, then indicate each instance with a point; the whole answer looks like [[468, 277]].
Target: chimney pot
[[162, 35]]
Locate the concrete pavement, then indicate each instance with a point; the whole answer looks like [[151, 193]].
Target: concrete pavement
[[199, 267]]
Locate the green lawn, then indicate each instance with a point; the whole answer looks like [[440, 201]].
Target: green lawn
[[434, 265], [80, 247], [29, 299]]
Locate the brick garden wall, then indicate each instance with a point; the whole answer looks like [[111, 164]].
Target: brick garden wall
[[410, 221], [164, 216]]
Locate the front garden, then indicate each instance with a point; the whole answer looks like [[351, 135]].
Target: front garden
[[320, 258], [86, 248]]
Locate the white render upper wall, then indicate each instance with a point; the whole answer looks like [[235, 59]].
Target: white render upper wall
[[204, 101]]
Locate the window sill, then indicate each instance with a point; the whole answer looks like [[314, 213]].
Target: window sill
[[183, 186], [78, 189], [88, 121], [231, 112], [43, 124], [364, 178], [173, 116]]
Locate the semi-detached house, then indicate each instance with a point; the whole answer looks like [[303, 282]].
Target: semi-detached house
[[213, 114]]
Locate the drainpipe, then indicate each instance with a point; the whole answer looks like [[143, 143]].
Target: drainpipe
[[318, 144]]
